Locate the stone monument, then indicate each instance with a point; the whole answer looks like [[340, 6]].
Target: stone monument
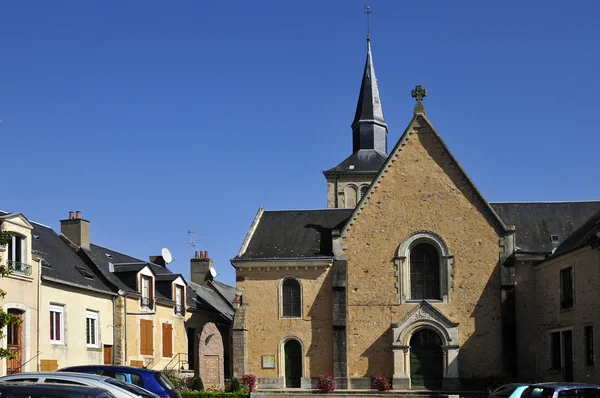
[[210, 356]]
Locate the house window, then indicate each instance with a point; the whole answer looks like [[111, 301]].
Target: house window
[[57, 324], [91, 328], [567, 294], [424, 272], [147, 300], [16, 249], [291, 298], [555, 351], [589, 345], [179, 306]]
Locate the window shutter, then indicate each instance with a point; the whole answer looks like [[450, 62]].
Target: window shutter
[[141, 284], [183, 301], [143, 337], [151, 292], [167, 339], [149, 338]]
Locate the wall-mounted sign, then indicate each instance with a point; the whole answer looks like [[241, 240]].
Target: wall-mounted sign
[[268, 361]]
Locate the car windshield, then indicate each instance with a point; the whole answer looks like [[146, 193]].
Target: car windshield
[[132, 388], [164, 381], [504, 391]]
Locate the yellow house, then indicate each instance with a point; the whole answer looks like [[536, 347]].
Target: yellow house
[[76, 306], [22, 293], [149, 300]]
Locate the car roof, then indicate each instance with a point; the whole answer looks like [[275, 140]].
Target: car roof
[[565, 385], [42, 387], [114, 367], [58, 374]]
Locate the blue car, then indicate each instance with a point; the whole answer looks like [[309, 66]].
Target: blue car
[[562, 390], [151, 380]]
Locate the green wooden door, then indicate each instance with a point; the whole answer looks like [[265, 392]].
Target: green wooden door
[[293, 364], [426, 360]]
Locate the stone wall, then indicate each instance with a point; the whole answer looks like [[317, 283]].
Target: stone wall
[[266, 330], [424, 190], [336, 189], [586, 274]]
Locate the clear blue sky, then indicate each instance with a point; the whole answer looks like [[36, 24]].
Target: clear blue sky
[[155, 117]]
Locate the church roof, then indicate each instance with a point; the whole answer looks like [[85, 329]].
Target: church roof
[[362, 161], [369, 109], [536, 222], [294, 234]]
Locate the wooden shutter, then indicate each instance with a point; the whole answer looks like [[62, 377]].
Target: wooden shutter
[[146, 340], [167, 339], [151, 292]]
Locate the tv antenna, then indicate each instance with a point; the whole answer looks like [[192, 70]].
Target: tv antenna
[[192, 240]]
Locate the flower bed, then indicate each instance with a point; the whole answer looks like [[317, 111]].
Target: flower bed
[[326, 384]]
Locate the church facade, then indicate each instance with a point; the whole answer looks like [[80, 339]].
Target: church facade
[[408, 274]]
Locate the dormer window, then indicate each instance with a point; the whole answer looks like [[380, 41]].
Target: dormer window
[[17, 261], [179, 302], [146, 289]]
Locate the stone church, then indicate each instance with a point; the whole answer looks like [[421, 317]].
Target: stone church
[[410, 273]]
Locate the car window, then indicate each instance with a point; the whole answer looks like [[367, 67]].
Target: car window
[[504, 391], [21, 380], [588, 392], [132, 388], [567, 393], [61, 381], [164, 381], [537, 392]]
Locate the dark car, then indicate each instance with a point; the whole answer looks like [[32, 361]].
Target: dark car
[[152, 380], [561, 390], [512, 390], [50, 390]]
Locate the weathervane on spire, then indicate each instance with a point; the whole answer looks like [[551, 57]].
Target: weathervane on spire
[[368, 12]]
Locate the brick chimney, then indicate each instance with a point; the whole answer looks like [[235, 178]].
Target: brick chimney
[[76, 229], [200, 267]]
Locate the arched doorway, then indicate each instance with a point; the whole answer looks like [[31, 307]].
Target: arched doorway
[[293, 363], [14, 342], [426, 360]]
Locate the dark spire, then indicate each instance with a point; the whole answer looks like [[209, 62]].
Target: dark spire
[[418, 93], [369, 130]]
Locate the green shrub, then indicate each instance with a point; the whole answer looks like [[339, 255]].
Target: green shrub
[[218, 394], [173, 376], [197, 384], [234, 385]]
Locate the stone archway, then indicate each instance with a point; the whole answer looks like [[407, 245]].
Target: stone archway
[[425, 317]]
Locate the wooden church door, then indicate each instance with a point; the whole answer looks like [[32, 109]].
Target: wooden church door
[[426, 360]]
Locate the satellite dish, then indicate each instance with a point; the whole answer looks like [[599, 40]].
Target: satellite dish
[[213, 273], [166, 255]]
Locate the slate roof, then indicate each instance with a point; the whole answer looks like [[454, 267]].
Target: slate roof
[[62, 264], [288, 234], [364, 161], [535, 222], [208, 296], [102, 257], [583, 236]]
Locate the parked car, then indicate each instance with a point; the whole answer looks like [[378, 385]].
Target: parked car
[[117, 388], [49, 390], [561, 390], [512, 390], [151, 380]]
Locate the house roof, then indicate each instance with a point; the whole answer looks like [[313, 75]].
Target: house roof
[[63, 264], [293, 234], [208, 297], [103, 257], [582, 236], [362, 161], [535, 222]]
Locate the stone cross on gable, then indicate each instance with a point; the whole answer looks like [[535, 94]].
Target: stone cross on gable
[[418, 93]]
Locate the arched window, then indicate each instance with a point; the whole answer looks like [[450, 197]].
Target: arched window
[[350, 196], [363, 191], [291, 298], [424, 267], [424, 272]]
